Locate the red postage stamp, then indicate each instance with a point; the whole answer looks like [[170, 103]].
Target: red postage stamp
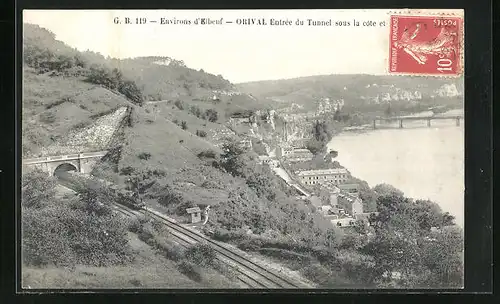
[[429, 45]]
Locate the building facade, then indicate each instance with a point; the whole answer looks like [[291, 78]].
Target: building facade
[[321, 176], [292, 154], [353, 204]]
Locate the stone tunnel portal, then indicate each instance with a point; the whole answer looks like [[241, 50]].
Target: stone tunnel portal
[[64, 168]]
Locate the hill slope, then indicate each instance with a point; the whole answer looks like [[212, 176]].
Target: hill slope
[[67, 90], [358, 91]]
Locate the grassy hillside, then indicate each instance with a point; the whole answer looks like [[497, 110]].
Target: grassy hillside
[[65, 89]]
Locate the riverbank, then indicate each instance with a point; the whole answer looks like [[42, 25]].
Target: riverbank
[[425, 163]]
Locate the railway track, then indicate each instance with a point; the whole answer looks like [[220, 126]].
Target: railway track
[[251, 274]]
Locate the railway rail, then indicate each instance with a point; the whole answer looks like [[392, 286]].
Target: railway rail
[[250, 273]]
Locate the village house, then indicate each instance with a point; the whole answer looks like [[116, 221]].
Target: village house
[[267, 160], [320, 176], [195, 214], [292, 154], [241, 118], [350, 188], [341, 208], [354, 204], [245, 144]]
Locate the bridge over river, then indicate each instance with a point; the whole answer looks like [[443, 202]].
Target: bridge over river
[[401, 119]]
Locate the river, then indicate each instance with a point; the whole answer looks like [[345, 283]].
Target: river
[[423, 162]]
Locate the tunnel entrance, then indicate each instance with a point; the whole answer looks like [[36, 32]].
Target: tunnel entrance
[[64, 168]]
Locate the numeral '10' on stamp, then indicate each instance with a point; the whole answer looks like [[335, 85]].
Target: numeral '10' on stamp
[[426, 45]]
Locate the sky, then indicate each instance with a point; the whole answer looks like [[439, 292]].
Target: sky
[[240, 53]]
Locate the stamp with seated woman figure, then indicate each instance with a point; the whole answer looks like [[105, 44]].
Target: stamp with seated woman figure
[[430, 45]]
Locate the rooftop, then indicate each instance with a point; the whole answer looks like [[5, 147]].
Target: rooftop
[[322, 172], [193, 210]]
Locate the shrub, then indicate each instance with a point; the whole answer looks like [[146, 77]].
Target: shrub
[[60, 101], [144, 156], [179, 104], [212, 115], [81, 125], [127, 170], [196, 111], [184, 125], [201, 133], [67, 235], [207, 154], [114, 80], [209, 184], [225, 235], [38, 189], [135, 282], [104, 113], [47, 117], [201, 254], [169, 249], [190, 270], [135, 226]]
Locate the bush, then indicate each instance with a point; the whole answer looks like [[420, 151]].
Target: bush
[[63, 235], [184, 125], [127, 170], [212, 115], [201, 254], [59, 102], [207, 154], [190, 270], [170, 250], [201, 133], [225, 235], [144, 156], [179, 104], [196, 111], [81, 125], [38, 189], [209, 184], [327, 278], [47, 117], [114, 80]]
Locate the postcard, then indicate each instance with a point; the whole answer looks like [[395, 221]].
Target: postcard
[[242, 149]]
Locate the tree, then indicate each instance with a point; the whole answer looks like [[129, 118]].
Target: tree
[[443, 255], [131, 91], [314, 146], [337, 115], [321, 135], [448, 219], [388, 110], [386, 189], [140, 182], [179, 104], [184, 125], [201, 133], [232, 158], [392, 210], [212, 115], [427, 213]]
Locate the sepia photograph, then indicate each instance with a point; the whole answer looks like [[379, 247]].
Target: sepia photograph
[[242, 149]]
